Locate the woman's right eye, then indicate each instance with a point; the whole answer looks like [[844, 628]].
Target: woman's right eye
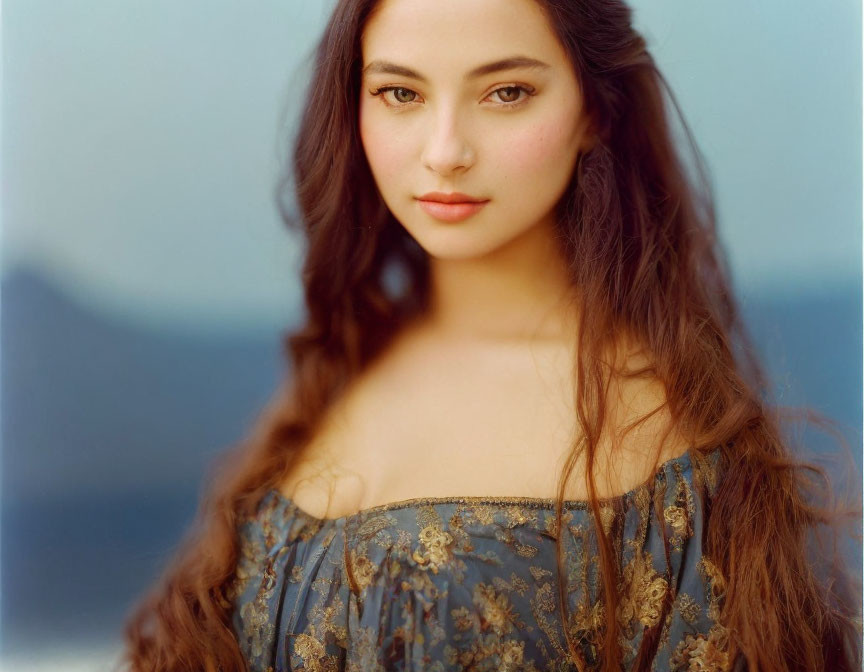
[[401, 95]]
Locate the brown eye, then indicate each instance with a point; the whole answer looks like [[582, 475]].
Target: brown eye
[[509, 94], [403, 95]]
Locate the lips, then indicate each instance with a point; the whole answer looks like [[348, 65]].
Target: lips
[[453, 207], [454, 197]]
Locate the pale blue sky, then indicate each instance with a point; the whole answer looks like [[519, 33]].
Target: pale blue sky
[[140, 144]]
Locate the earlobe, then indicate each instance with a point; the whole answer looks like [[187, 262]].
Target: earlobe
[[587, 143], [588, 138]]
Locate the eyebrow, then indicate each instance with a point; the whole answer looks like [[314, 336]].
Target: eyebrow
[[512, 63]]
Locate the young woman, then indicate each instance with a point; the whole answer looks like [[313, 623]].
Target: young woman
[[519, 433]]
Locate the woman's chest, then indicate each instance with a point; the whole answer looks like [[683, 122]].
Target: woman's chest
[[467, 422], [440, 428]]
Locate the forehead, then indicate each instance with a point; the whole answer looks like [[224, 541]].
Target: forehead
[[457, 34]]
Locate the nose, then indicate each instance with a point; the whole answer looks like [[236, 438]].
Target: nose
[[447, 151]]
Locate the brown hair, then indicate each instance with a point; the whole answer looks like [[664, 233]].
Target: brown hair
[[640, 236]]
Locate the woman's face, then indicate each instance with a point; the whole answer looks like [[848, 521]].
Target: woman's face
[[472, 97]]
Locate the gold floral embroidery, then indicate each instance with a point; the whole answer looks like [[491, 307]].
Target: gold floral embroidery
[[512, 653], [516, 584], [475, 581], [712, 573], [421, 586], [362, 569], [642, 592], [327, 621], [715, 585], [462, 619], [705, 470], [296, 575], [676, 517], [545, 598], [321, 585], [688, 607], [483, 513], [495, 608], [306, 646], [525, 550], [375, 525], [607, 517], [586, 624], [679, 520], [539, 573], [702, 653], [437, 633], [551, 524], [258, 630], [642, 504], [489, 652], [314, 656], [436, 542], [589, 618], [519, 515]]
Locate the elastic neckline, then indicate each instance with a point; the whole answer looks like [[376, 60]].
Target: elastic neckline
[[490, 500]]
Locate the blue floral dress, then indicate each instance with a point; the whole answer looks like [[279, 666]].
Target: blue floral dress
[[470, 583]]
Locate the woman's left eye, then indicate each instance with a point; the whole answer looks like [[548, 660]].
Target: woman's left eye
[[508, 95]]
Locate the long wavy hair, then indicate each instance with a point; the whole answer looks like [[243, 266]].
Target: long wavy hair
[[638, 230]]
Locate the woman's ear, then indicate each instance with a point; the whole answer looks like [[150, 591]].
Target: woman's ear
[[589, 136]]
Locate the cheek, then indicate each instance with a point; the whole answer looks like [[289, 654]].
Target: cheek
[[542, 148], [386, 154]]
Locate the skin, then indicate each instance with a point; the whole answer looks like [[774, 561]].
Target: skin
[[476, 397]]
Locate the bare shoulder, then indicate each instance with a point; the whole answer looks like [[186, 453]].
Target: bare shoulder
[[336, 469], [323, 480], [639, 409]]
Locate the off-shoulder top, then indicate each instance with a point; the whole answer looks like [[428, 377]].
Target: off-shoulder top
[[470, 583]]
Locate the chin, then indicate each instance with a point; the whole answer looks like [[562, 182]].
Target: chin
[[454, 243]]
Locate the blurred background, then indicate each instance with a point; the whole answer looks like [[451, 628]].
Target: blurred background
[[147, 279]]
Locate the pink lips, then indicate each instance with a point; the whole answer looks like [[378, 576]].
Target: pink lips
[[450, 207]]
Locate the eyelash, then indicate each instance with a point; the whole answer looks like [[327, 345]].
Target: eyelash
[[530, 91]]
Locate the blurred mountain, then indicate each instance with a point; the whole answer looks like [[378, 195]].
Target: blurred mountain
[[108, 428], [94, 405]]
